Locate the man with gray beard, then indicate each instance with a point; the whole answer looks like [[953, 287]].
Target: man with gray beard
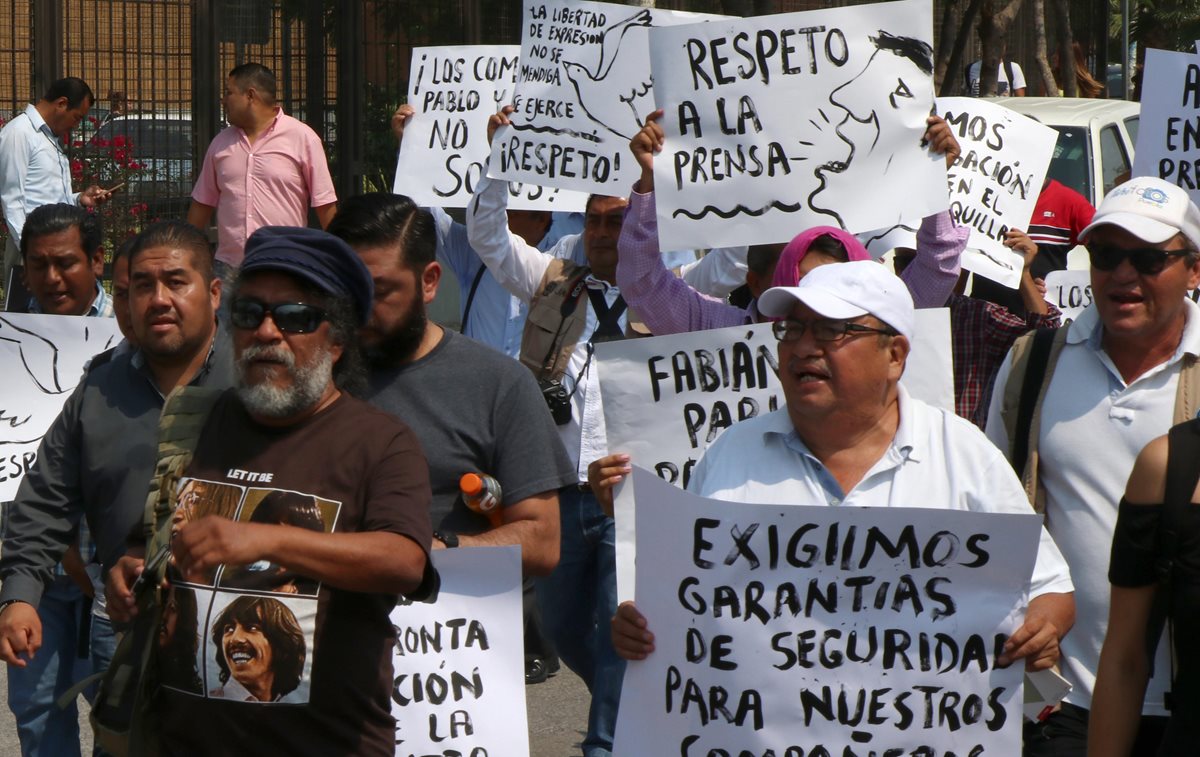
[[290, 425]]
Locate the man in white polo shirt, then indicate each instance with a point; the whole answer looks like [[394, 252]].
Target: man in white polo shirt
[[851, 436], [1112, 383]]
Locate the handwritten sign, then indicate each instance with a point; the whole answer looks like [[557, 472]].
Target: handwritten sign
[[995, 181], [583, 91], [454, 91], [824, 630], [459, 661], [778, 123], [43, 358], [1168, 139], [1070, 292], [667, 398]]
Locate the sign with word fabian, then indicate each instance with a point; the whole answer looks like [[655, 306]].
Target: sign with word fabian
[[583, 91], [1168, 138], [995, 181], [824, 630], [777, 123], [459, 662], [43, 358], [454, 91], [667, 398]]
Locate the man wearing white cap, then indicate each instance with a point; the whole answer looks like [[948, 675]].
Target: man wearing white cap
[[851, 436], [1119, 376]]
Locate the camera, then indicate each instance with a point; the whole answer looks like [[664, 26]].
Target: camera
[[557, 399]]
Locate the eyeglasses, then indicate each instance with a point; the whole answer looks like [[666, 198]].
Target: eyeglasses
[[1148, 261], [289, 317], [788, 330]]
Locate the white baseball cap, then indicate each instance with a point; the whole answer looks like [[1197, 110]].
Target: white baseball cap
[[847, 290], [1150, 209]]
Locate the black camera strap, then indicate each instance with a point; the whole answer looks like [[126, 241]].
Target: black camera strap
[[575, 287]]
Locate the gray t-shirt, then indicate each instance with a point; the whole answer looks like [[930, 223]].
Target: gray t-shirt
[[475, 410]]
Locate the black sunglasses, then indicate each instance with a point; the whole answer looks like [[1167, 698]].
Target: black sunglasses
[[1147, 261], [289, 317]]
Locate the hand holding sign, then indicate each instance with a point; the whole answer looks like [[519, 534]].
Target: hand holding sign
[[399, 119], [939, 137], [631, 637], [645, 145], [497, 120]]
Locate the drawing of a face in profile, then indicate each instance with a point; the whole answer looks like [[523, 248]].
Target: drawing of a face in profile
[[196, 499], [899, 67], [278, 508], [179, 640]]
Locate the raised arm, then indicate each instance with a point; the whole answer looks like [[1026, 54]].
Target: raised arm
[[933, 273]]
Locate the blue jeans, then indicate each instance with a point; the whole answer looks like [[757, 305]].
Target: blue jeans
[[44, 729], [578, 600]]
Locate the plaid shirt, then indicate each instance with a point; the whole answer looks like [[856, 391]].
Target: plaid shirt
[[981, 334]]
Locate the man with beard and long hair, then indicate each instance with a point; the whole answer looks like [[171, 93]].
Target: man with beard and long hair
[[290, 423]]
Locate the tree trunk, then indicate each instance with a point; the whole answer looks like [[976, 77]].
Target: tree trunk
[[993, 33], [950, 14], [1049, 86], [954, 79], [1066, 56]]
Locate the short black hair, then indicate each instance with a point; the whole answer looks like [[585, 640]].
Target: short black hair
[[916, 50], [181, 235], [259, 77], [831, 247], [58, 217], [381, 218], [73, 88], [761, 258]]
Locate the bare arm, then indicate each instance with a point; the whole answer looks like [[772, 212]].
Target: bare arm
[[1047, 620], [531, 524], [370, 561], [199, 215], [325, 214], [1031, 296]]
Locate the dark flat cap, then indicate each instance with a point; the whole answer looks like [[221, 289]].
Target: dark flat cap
[[315, 256]]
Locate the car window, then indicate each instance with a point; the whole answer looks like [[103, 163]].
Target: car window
[[1071, 162], [162, 140], [1131, 126], [1114, 162]]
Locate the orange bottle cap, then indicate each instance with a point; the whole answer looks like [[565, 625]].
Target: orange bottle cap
[[471, 484]]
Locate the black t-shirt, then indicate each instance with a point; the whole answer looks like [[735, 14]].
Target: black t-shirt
[[258, 659], [1134, 553], [475, 410]]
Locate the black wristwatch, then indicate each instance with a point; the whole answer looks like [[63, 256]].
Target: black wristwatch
[[449, 538]]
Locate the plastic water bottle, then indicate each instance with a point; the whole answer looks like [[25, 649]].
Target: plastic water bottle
[[482, 494]]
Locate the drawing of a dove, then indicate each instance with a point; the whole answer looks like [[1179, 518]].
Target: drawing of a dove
[[614, 104]]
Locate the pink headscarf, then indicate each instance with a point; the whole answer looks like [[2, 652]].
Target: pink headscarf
[[787, 273]]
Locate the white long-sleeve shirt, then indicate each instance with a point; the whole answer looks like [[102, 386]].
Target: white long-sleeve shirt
[[34, 170]]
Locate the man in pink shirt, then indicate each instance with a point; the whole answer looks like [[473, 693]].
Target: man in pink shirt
[[265, 169]]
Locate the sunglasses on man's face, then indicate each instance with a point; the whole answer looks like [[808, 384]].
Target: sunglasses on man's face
[[1147, 261], [289, 317]]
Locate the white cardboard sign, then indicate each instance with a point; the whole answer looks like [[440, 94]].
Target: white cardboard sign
[[583, 91], [777, 123], [459, 662], [1168, 140], [824, 630], [454, 91], [43, 358], [1070, 292], [995, 181]]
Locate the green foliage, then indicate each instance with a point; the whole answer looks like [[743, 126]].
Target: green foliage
[[1163, 24]]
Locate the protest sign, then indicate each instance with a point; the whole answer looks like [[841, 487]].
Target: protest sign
[[43, 358], [459, 662], [583, 91], [824, 630], [667, 398], [1069, 291], [778, 123], [454, 91], [1168, 138], [995, 181]]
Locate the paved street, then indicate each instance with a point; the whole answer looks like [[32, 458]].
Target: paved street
[[557, 717]]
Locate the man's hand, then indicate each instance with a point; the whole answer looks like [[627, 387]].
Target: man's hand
[[1018, 241], [400, 120], [94, 196], [604, 474], [644, 145], [118, 588], [20, 633], [202, 545], [631, 638], [939, 138], [497, 120], [1047, 620]]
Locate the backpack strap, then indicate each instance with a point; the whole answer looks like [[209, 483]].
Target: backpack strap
[[1183, 474], [1032, 383]]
